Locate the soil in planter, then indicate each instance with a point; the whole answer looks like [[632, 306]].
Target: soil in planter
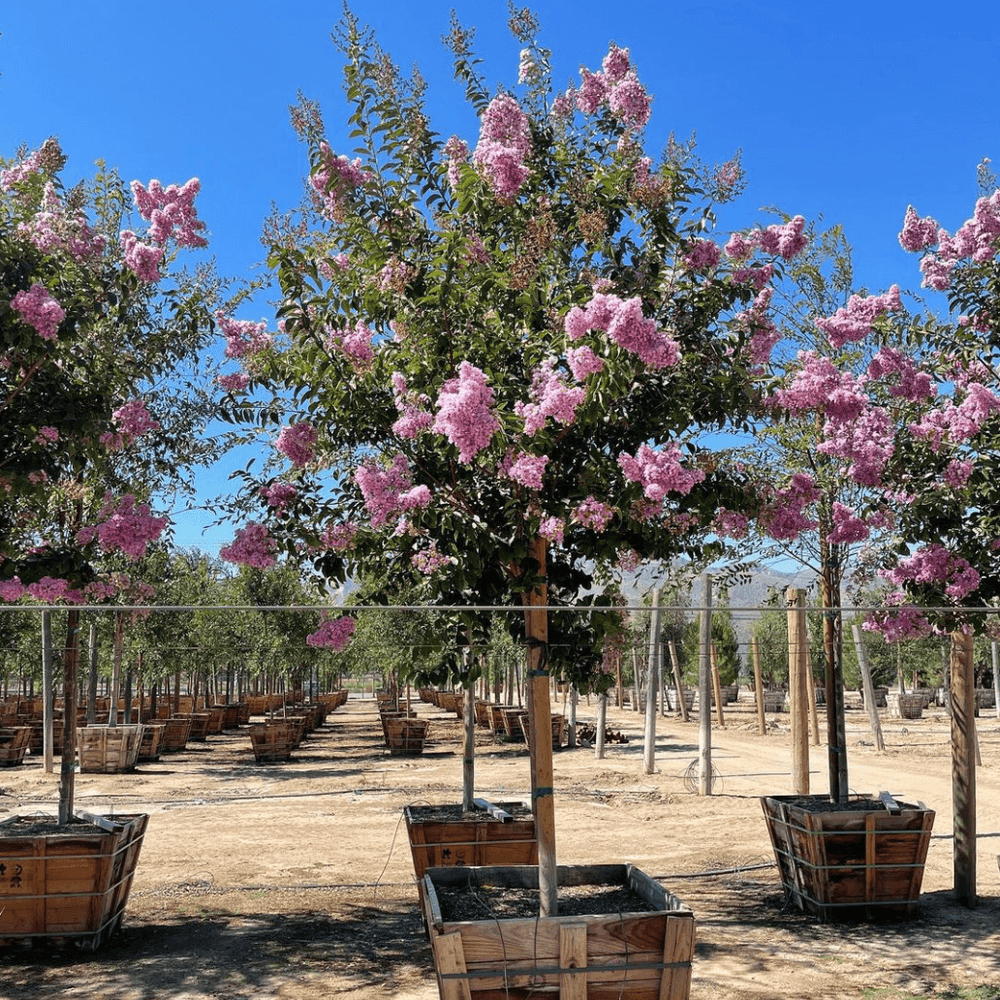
[[454, 813], [46, 826], [504, 902], [813, 805]]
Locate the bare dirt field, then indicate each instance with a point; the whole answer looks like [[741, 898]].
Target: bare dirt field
[[294, 881]]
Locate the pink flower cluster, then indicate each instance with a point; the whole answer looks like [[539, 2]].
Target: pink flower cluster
[[244, 338], [783, 518], [933, 565], [763, 333], [252, 546], [819, 385], [865, 442], [142, 259], [356, 345], [528, 470], [702, 255], [457, 152], [847, 526], [297, 442], [52, 228], [976, 240], [552, 397], [582, 362], [958, 423], [593, 514], [786, 240], [429, 560], [659, 471], [339, 537], [333, 633], [413, 418], [504, 146], [901, 623], [132, 420], [336, 178], [389, 491], [465, 416], [914, 384], [40, 310], [552, 529], [124, 525], [279, 495], [48, 590], [731, 524], [46, 436], [854, 321], [170, 212], [624, 323], [615, 86], [47, 159]]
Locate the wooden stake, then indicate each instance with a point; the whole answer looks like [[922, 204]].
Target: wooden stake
[[678, 681], [868, 688], [797, 690], [602, 722], [649, 734], [47, 694], [963, 765], [811, 695], [67, 768], [758, 683], [717, 686]]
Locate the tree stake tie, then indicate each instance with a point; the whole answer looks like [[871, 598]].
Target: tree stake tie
[[542, 793]]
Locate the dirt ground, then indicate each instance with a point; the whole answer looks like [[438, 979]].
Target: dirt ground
[[294, 881]]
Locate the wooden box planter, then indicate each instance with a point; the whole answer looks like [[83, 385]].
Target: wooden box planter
[[273, 741], [641, 954], [70, 882], [905, 706], [849, 861], [558, 729], [230, 715], [108, 749], [149, 748], [496, 719], [483, 714], [389, 716], [405, 735], [441, 836], [512, 723], [36, 741], [14, 742], [774, 701], [673, 702], [199, 725], [175, 734]]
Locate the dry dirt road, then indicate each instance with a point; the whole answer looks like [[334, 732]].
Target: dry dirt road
[[294, 881]]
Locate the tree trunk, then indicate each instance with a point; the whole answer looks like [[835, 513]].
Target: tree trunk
[[67, 770], [705, 692], [963, 781]]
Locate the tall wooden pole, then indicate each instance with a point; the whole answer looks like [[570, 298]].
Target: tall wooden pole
[[540, 729], [995, 646], [602, 723], [469, 749], [963, 768], [67, 768], [705, 692], [797, 690], [652, 686], [716, 685], [758, 683]]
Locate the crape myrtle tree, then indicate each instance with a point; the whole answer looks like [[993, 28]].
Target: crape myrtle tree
[[499, 353], [101, 331]]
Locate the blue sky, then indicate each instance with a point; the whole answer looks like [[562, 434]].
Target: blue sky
[[850, 110]]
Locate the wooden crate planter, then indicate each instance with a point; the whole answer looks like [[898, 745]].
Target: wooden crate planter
[[199, 725], [70, 882], [673, 702], [774, 701], [496, 719], [483, 714], [838, 862], [441, 836], [175, 735], [641, 955], [149, 748], [36, 741], [386, 717], [512, 723], [558, 729], [273, 741], [405, 735], [108, 749], [14, 742], [905, 706]]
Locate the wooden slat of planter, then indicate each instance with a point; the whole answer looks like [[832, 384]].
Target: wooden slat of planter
[[678, 947], [573, 955], [449, 958]]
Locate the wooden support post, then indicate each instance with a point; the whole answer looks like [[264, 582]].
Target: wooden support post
[[995, 647], [540, 728], [678, 681], [811, 695], [67, 767], [797, 690], [758, 684], [704, 692], [717, 686], [963, 765], [868, 688], [469, 748], [92, 675], [652, 685]]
